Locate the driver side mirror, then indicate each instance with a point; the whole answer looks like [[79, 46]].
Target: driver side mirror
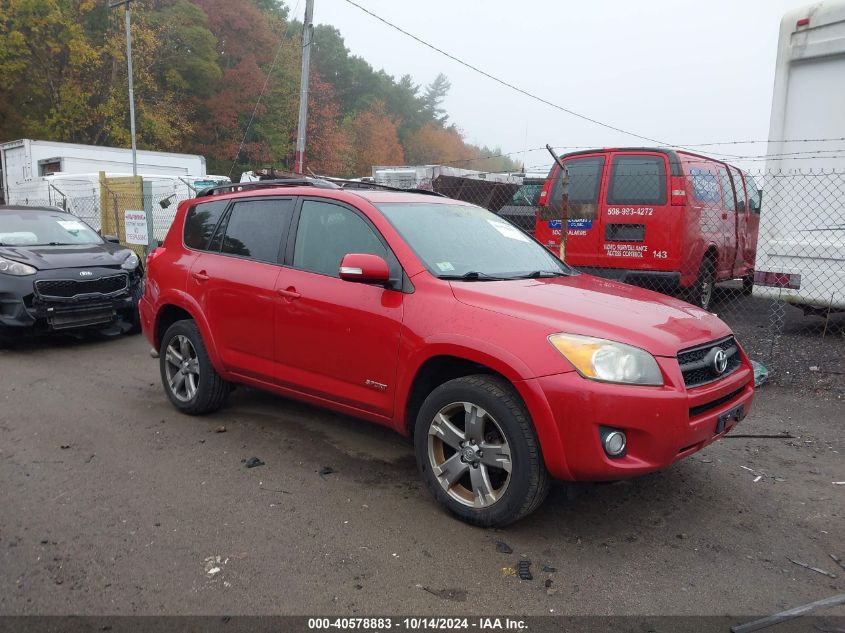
[[364, 268]]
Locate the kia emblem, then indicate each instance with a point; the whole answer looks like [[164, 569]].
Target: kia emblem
[[85, 273]]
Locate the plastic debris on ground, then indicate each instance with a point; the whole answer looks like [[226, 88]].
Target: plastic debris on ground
[[523, 570], [252, 462], [761, 374], [503, 548]]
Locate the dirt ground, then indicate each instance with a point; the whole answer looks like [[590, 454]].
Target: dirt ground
[[112, 503]]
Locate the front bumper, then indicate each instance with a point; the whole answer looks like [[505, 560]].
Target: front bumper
[[662, 424], [23, 308]]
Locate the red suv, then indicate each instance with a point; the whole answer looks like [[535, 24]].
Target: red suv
[[440, 320], [666, 219]]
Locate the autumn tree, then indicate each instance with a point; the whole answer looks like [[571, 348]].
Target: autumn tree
[[374, 139], [218, 78], [328, 150]]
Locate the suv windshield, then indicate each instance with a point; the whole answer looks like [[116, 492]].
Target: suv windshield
[[40, 228], [463, 241]]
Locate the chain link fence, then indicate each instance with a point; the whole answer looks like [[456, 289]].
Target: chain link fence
[[765, 251], [103, 202]]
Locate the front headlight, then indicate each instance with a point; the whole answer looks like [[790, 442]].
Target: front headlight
[[11, 267], [131, 262], [608, 361]]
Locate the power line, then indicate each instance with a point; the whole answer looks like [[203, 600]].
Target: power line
[[502, 81], [263, 90]]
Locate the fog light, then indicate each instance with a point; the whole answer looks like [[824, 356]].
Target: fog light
[[614, 442]]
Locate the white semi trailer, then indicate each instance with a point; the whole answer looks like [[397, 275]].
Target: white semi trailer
[[26, 161], [801, 246]]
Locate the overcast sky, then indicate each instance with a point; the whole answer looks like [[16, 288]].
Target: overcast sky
[[681, 72]]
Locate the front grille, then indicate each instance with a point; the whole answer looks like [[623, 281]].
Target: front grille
[[70, 288], [697, 366], [61, 318]]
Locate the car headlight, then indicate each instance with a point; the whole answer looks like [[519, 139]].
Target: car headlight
[[11, 267], [131, 262], [608, 361]]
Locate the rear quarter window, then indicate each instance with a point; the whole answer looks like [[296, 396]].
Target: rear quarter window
[[637, 180], [200, 222]]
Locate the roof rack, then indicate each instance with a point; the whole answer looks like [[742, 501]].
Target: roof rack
[[267, 184], [360, 184]]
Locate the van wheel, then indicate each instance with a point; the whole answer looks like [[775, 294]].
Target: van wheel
[[701, 294], [478, 453], [189, 379]]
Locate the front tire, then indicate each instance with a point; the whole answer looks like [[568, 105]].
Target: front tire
[[187, 375], [478, 453]]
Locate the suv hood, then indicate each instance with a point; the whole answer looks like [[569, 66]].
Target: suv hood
[[76, 256], [592, 306]]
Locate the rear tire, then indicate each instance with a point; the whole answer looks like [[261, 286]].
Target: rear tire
[[701, 293], [187, 375], [748, 284], [478, 453]]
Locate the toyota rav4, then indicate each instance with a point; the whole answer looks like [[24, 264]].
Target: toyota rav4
[[444, 322]]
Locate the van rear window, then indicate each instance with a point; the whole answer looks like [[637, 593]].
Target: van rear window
[[637, 180], [584, 182]]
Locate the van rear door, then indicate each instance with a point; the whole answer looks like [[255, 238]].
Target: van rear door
[[585, 181], [638, 226]]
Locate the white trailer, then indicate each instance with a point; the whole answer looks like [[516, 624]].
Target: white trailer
[[26, 160], [801, 247]]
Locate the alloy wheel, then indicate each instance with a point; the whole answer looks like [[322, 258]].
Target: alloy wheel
[[469, 454], [182, 368]]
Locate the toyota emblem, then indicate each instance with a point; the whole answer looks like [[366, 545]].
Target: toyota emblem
[[720, 361]]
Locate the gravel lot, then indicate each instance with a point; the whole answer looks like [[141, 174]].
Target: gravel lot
[[112, 503]]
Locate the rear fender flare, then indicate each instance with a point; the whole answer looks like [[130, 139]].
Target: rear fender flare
[[186, 302]]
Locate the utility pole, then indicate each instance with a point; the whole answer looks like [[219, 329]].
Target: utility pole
[[128, 21], [307, 38]]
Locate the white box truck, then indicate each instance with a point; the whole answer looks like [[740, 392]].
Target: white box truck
[[25, 161], [801, 247]]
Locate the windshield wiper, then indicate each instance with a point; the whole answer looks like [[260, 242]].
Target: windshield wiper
[[473, 275], [536, 274]]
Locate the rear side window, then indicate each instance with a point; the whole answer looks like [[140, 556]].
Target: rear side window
[[754, 195], [255, 228], [637, 180], [527, 195], [727, 190], [739, 188], [705, 188], [326, 232], [200, 222]]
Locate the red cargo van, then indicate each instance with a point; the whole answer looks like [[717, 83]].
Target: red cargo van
[[667, 219]]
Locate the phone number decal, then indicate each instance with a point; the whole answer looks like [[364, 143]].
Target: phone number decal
[[642, 211]]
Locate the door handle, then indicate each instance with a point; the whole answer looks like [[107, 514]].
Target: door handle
[[289, 293], [200, 276]]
